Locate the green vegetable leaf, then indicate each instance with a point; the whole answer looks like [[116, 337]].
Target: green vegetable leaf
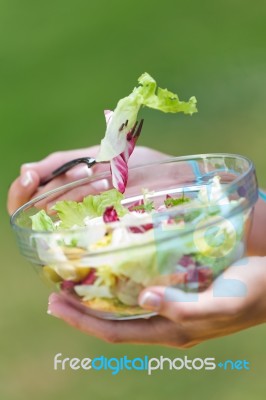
[[146, 94], [42, 222], [72, 213], [172, 202], [163, 100], [148, 206], [96, 205]]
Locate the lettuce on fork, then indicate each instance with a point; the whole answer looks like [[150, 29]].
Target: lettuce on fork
[[119, 142], [116, 147]]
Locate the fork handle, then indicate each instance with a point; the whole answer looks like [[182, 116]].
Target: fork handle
[[67, 166]]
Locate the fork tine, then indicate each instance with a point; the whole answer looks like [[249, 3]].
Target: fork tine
[[134, 128], [123, 125], [137, 133], [131, 132]]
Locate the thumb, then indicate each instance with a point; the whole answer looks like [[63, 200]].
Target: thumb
[[22, 189], [180, 306], [229, 295]]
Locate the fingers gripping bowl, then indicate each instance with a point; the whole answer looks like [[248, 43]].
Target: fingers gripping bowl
[[181, 222]]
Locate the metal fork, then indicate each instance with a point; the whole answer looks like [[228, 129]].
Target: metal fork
[[90, 161]]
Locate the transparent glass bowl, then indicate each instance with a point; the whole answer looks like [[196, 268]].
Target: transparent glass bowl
[[182, 249]]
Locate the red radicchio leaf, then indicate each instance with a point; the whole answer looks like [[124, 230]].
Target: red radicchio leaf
[[67, 285], [119, 171], [186, 260], [141, 228], [110, 214], [203, 276], [118, 165], [90, 278], [137, 204]]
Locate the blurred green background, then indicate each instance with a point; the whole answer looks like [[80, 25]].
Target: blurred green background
[[61, 63]]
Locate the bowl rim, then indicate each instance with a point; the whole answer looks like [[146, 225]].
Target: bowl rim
[[233, 211]]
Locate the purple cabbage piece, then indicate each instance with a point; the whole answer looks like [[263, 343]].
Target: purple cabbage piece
[[110, 215]]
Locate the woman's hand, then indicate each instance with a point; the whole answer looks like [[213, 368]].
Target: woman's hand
[[234, 302], [26, 186]]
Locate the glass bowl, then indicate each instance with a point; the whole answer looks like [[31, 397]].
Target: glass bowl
[[195, 224]]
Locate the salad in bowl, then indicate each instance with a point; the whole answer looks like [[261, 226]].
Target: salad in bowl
[[183, 231], [178, 222]]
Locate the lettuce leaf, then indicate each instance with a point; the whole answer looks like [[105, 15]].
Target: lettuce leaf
[[125, 115], [163, 100], [72, 213], [89, 292], [42, 222]]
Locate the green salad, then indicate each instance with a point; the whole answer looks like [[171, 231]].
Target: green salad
[[112, 251]]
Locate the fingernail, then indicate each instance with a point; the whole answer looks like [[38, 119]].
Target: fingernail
[[52, 312], [150, 300], [102, 184], [52, 298], [26, 179], [25, 167], [49, 311], [80, 172], [28, 165]]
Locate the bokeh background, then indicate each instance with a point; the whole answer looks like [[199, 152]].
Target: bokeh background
[[61, 63]]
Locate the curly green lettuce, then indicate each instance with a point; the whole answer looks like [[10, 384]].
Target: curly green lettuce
[[73, 213], [124, 117]]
